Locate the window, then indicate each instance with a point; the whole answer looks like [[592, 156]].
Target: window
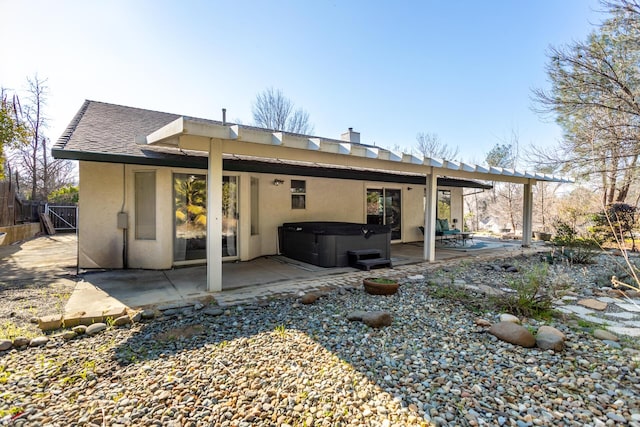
[[444, 205], [255, 211], [145, 215], [298, 194]]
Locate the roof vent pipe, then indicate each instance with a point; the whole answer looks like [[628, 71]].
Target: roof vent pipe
[[224, 116]]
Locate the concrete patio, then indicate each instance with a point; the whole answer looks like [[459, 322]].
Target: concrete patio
[[51, 258]]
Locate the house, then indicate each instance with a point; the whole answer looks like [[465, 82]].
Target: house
[[145, 202]]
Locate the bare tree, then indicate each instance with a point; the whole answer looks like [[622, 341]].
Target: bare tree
[[13, 131], [272, 110], [505, 155], [429, 145], [42, 173], [595, 97]]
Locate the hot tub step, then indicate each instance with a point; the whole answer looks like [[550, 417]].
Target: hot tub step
[[367, 264]]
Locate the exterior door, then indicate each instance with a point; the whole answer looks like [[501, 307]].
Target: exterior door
[[229, 217], [190, 217], [384, 207]]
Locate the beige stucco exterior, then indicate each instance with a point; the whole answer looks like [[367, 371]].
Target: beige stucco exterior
[[107, 189]]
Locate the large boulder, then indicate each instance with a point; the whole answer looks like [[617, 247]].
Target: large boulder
[[377, 319], [513, 333]]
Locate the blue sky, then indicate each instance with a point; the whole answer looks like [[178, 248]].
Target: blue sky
[[461, 69]]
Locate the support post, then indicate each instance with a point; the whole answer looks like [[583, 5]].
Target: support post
[[214, 217], [431, 197], [527, 214]]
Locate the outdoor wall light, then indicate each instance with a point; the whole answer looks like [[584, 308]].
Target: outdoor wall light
[[278, 181]]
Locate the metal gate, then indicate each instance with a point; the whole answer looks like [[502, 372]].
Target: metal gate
[[64, 218]]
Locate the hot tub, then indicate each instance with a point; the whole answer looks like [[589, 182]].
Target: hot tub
[[326, 243]]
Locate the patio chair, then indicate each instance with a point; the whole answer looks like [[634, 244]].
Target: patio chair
[[443, 231]]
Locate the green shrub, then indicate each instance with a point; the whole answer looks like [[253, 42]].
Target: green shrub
[[531, 297]]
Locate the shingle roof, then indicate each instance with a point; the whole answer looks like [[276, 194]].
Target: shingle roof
[[108, 132], [99, 127]]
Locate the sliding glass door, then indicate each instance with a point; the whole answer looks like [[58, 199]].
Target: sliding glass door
[[384, 207], [190, 218]]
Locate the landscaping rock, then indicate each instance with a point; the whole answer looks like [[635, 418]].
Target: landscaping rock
[[198, 306], [38, 341], [308, 298], [5, 345], [611, 344], [49, 323], [593, 304], [513, 333], [69, 335], [483, 322], [602, 334], [505, 317], [80, 329], [148, 314], [20, 341], [213, 311], [95, 328], [549, 341], [356, 315], [135, 318], [551, 330], [377, 319], [122, 320]]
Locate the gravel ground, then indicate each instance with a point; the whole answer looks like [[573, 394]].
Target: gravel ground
[[283, 363]]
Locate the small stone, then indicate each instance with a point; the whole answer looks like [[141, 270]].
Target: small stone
[[549, 341], [49, 323], [80, 329], [602, 334], [551, 330], [611, 344], [69, 335], [5, 345], [122, 320], [198, 306], [135, 318], [308, 298], [617, 418], [356, 315], [20, 341], [483, 322], [95, 328], [213, 311], [38, 341], [505, 317], [513, 333], [148, 314], [511, 269], [593, 304], [377, 319]]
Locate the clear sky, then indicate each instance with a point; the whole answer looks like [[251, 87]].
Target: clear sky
[[461, 69]]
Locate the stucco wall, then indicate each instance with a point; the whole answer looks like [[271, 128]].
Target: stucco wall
[[100, 199], [106, 189]]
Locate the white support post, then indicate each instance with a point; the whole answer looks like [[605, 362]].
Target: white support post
[[214, 217], [431, 197], [527, 214]]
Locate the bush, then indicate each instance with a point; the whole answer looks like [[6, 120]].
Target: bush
[[531, 297], [66, 195], [575, 249], [615, 223]]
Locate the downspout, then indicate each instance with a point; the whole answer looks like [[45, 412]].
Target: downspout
[[123, 219]]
